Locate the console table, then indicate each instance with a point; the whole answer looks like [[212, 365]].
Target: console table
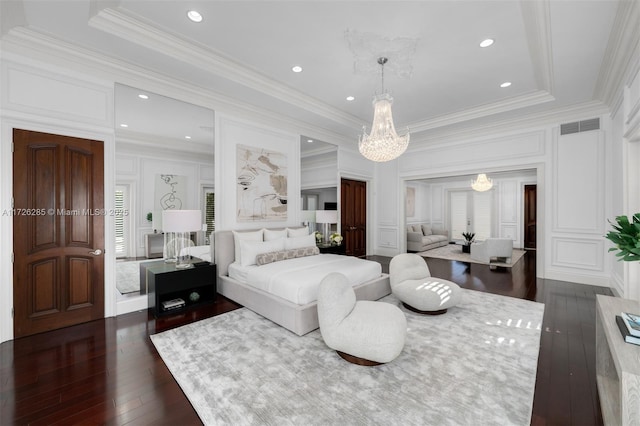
[[617, 364], [165, 282], [328, 248]]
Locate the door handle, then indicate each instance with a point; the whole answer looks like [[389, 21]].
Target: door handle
[[96, 252]]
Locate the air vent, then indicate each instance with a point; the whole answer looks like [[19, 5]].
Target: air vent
[[580, 126]]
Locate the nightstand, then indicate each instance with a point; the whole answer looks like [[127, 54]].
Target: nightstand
[[328, 248], [195, 285]]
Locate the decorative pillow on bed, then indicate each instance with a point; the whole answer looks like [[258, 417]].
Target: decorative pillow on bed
[[298, 242], [297, 232], [245, 236], [250, 249], [276, 256], [270, 234]]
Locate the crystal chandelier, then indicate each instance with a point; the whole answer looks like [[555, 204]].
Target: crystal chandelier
[[383, 144], [482, 183]]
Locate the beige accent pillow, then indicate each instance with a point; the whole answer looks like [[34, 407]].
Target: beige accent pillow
[[277, 256], [426, 230], [251, 249]]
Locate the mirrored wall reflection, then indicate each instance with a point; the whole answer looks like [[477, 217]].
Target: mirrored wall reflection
[[164, 159], [319, 179]]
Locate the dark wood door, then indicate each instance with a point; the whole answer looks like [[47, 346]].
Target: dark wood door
[[58, 227], [353, 216], [530, 201]]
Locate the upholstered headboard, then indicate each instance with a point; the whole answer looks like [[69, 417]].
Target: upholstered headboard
[[224, 247]]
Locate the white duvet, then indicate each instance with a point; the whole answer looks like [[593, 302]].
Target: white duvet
[[297, 280]]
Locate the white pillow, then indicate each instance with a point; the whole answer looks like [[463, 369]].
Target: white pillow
[[274, 235], [299, 232], [245, 236], [251, 249], [300, 242]]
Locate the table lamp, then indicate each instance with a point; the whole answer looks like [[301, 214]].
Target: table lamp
[[178, 226], [326, 217]]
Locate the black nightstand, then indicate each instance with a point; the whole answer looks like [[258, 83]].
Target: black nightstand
[[195, 285], [328, 248]]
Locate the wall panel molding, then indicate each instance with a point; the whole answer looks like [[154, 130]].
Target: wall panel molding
[[578, 253]]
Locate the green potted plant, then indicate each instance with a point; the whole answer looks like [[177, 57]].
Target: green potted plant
[[468, 239], [626, 237]]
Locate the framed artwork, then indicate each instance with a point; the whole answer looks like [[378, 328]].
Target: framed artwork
[[411, 201], [170, 192], [261, 184]]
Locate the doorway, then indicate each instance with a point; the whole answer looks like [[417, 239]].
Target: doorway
[[353, 216], [58, 187], [530, 219]]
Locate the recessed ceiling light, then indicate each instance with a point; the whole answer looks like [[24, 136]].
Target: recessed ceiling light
[[124, 125], [309, 140], [296, 68], [143, 96], [506, 84], [351, 98], [195, 16], [187, 137], [486, 43]]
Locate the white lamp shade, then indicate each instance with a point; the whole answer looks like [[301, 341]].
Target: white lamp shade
[[326, 216], [308, 216], [181, 220]]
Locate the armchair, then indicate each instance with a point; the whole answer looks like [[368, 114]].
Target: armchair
[[490, 248]]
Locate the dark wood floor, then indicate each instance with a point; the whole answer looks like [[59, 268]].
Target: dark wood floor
[[108, 371]]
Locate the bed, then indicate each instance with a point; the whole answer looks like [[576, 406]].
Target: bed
[[273, 295]]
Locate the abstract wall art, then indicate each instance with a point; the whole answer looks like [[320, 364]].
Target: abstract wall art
[[261, 185]]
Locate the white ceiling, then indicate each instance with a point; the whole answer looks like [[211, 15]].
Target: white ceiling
[[551, 50]]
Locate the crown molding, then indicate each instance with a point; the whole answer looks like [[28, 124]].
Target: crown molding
[[481, 111], [36, 48], [545, 118], [134, 29], [536, 16], [623, 42]]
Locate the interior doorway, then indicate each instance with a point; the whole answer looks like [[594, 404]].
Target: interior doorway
[[530, 219], [353, 216], [58, 245]]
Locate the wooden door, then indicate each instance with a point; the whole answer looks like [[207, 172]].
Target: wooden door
[[353, 216], [530, 201], [58, 227]]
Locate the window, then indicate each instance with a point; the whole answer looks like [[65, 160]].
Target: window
[[122, 220], [209, 212]]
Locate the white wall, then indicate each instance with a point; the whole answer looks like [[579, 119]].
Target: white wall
[[45, 98], [231, 132], [571, 199]]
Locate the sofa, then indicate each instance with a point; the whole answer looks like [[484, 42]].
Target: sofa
[[421, 237]]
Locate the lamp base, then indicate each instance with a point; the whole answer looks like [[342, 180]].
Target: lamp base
[[184, 265]]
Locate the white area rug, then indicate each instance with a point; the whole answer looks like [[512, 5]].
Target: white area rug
[[454, 252], [474, 365], [128, 276]]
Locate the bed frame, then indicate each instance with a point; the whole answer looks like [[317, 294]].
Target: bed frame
[[301, 319]]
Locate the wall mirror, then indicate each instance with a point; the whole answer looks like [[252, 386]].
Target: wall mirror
[[164, 159], [319, 178]]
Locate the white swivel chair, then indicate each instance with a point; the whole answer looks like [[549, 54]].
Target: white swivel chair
[[492, 247], [362, 332], [412, 283]]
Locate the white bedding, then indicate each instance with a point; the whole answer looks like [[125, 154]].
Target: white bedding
[[297, 280]]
